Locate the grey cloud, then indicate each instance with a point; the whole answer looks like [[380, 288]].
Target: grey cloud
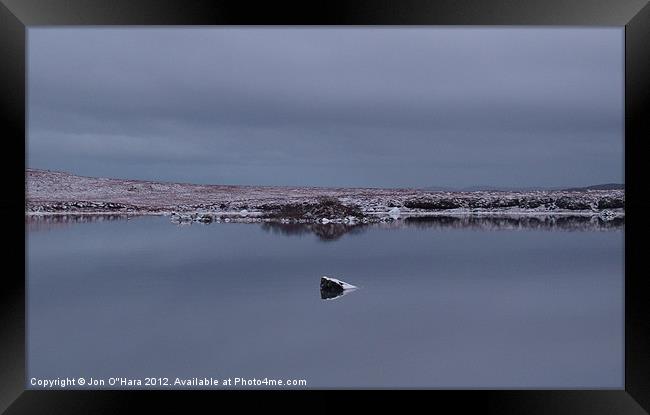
[[330, 106]]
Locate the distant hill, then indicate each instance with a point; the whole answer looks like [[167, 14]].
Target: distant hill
[[440, 189], [606, 186], [503, 189]]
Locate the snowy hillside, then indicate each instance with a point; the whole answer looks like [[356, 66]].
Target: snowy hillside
[[58, 192]]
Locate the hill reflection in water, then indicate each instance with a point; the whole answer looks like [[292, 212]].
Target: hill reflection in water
[[49, 222], [334, 231]]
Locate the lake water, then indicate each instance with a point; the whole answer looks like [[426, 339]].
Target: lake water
[[440, 305]]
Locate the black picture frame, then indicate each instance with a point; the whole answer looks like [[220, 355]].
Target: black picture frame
[[18, 15]]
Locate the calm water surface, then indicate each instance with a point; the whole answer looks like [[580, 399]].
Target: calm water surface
[[439, 306]]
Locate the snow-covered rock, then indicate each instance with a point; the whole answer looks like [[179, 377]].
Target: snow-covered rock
[[204, 218], [333, 288], [181, 217], [394, 213]]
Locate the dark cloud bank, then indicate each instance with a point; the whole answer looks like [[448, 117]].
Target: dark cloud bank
[[381, 107]]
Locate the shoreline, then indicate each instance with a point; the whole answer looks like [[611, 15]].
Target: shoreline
[[59, 193], [370, 217], [402, 215], [332, 230]]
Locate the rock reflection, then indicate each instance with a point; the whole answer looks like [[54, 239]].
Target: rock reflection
[[333, 295]]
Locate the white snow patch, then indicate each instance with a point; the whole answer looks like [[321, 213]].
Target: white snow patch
[[343, 284]]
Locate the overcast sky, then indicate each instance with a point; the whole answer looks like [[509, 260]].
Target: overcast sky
[[380, 107]]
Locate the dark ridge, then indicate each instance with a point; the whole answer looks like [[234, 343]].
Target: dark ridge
[[81, 206], [567, 202], [324, 207]]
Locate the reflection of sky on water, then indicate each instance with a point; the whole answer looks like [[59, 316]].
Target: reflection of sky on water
[[447, 308]]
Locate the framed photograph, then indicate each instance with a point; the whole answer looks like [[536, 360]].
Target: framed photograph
[[304, 200]]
